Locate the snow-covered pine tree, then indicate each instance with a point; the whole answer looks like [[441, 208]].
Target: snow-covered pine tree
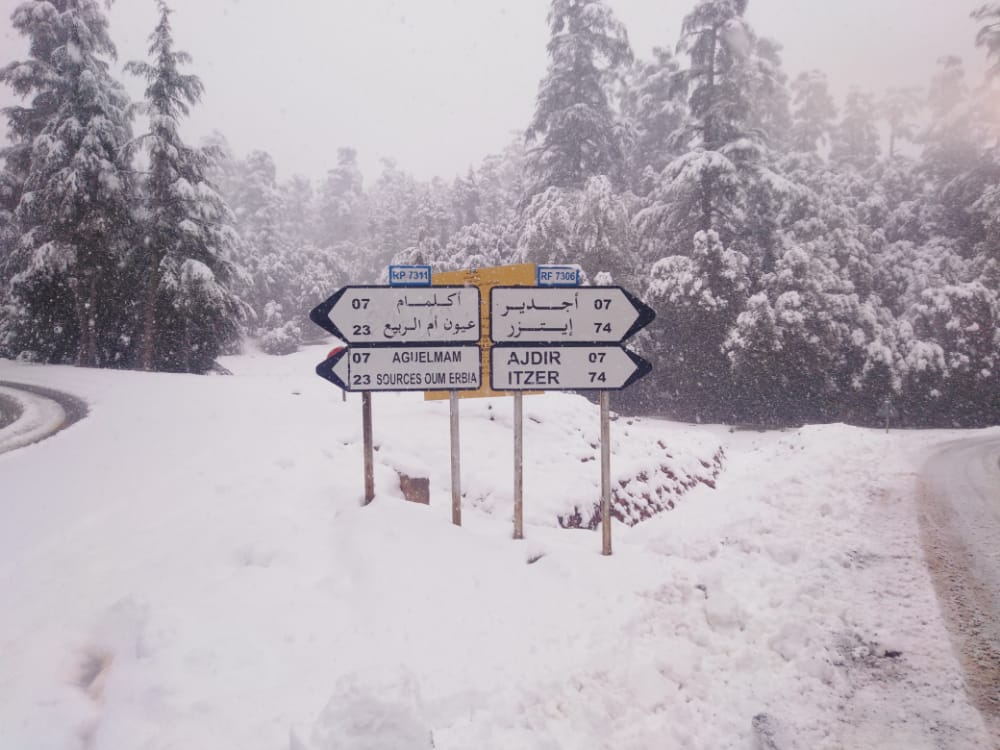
[[726, 164], [655, 105], [953, 356], [988, 35], [697, 299], [189, 311], [576, 130], [74, 208], [590, 227], [799, 346], [814, 112], [899, 108], [855, 138], [342, 205]]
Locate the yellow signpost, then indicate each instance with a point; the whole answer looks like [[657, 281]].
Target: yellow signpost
[[485, 278]]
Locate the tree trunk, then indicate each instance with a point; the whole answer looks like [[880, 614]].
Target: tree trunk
[[86, 315], [148, 342]]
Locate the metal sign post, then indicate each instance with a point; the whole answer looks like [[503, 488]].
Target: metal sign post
[[366, 429], [403, 338], [456, 462], [518, 465], [605, 473], [560, 339]]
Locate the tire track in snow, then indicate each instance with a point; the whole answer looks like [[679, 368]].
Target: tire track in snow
[[30, 413]]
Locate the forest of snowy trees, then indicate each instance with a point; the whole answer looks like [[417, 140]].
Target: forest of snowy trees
[[807, 259]]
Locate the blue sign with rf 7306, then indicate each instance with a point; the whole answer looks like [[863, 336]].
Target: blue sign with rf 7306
[[557, 276], [409, 275]]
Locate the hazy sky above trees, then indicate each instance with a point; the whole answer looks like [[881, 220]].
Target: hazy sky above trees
[[439, 84]]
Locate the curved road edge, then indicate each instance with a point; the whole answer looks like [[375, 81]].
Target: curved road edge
[[960, 531], [73, 410]]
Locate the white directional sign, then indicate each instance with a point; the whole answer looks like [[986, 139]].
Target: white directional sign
[[564, 368], [404, 368], [569, 315], [401, 315]]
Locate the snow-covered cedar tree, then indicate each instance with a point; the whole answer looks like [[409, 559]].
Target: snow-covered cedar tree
[[576, 132], [854, 141], [899, 108], [500, 184], [953, 358], [724, 180], [188, 311], [479, 246], [588, 226], [813, 112], [342, 204], [655, 105], [697, 299], [770, 102], [72, 186], [988, 35], [799, 346], [403, 212]]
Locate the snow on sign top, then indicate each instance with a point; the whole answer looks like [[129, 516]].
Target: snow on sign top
[[401, 315], [604, 314]]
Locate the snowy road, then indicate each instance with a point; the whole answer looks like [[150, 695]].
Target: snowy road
[[961, 519], [29, 414]]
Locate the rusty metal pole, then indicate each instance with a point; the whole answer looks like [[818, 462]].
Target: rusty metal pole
[[605, 473], [456, 463], [518, 465], [366, 429]]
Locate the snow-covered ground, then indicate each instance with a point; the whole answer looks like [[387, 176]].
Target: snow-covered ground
[[190, 566]]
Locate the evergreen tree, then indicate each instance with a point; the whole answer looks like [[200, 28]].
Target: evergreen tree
[[697, 298], [953, 356], [577, 132], [814, 112], [655, 106], [767, 83], [342, 205], [898, 108], [725, 180], [855, 138], [67, 173], [988, 35], [589, 227], [188, 311]]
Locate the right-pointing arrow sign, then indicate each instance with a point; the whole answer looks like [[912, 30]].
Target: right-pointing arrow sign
[[564, 368], [599, 314]]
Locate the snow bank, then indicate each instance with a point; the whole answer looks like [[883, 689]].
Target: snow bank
[[191, 566]]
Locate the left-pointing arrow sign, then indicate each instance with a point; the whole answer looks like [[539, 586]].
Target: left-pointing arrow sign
[[401, 315], [404, 368]]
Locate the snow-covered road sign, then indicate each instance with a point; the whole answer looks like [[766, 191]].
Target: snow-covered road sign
[[521, 315], [401, 315], [565, 368], [404, 368]]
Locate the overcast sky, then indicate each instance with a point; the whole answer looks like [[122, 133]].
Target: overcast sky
[[438, 84]]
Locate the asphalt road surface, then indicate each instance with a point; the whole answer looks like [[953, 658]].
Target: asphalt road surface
[[960, 519]]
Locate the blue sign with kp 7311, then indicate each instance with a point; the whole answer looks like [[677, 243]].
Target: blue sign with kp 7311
[[409, 275]]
